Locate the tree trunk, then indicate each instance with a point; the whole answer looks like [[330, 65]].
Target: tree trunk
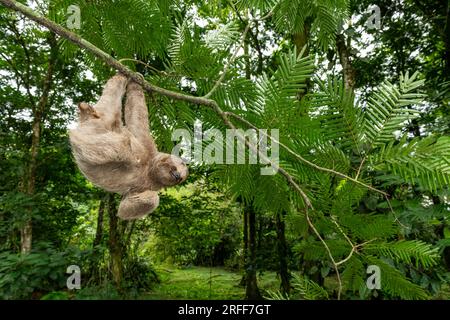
[[349, 73], [245, 253], [447, 41], [252, 290], [282, 254], [259, 233], [243, 281], [26, 235], [115, 246], [99, 230], [94, 270], [440, 231], [26, 232]]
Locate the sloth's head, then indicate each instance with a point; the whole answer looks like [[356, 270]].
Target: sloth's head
[[170, 170]]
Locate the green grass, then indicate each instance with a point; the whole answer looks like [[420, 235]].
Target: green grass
[[204, 283]]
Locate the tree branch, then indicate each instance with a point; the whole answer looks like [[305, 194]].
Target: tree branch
[[105, 57], [27, 78]]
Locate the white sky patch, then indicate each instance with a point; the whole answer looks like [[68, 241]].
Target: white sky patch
[[4, 73], [89, 75], [366, 44], [201, 22], [415, 54], [36, 5], [398, 15], [240, 52], [188, 83], [72, 123], [24, 114]]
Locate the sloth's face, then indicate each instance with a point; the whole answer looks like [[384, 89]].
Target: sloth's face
[[171, 170]]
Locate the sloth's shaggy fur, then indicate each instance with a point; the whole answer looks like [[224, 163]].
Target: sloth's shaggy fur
[[123, 158]]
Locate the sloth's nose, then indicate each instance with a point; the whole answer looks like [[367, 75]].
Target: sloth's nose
[[176, 176]]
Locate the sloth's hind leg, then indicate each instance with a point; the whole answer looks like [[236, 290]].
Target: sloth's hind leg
[[86, 112], [109, 107], [137, 205]]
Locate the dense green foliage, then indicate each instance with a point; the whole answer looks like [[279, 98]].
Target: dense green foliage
[[383, 120]]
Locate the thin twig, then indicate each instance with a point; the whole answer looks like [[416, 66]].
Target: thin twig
[[268, 15], [303, 159], [253, 36], [393, 213], [311, 225], [24, 47], [359, 168], [330, 255], [333, 218], [227, 66], [241, 44], [354, 249]]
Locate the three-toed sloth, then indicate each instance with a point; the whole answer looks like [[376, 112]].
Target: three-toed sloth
[[123, 158]]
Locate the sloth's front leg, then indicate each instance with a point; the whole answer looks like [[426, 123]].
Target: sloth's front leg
[[138, 205]]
